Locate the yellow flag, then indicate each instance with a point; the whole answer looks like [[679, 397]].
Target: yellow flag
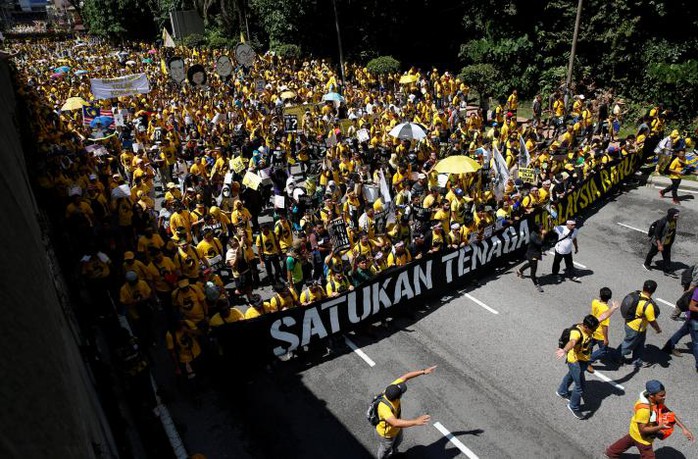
[[163, 66], [242, 38]]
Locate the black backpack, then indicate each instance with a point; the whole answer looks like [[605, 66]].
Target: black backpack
[[565, 336], [372, 411], [653, 227], [683, 302], [628, 308], [687, 276]]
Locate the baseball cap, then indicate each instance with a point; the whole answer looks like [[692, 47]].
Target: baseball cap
[[129, 255], [395, 391], [183, 283], [653, 387]]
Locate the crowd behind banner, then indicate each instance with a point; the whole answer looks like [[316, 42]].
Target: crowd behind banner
[[182, 202]]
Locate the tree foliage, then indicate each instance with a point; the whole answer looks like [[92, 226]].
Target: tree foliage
[[631, 46], [383, 65]]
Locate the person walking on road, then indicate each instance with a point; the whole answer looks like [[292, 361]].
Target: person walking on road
[[636, 329], [578, 352], [662, 239], [534, 253], [390, 426], [600, 337], [651, 420], [675, 172], [690, 326], [566, 241]]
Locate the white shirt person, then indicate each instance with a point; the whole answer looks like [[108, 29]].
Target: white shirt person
[[566, 241]]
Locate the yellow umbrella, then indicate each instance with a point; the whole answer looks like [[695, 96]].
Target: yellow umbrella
[[288, 95], [457, 164], [407, 79], [73, 103]]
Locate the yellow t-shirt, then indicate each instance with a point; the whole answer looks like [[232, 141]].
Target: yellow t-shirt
[[645, 314], [641, 416], [676, 165], [235, 315], [581, 352], [384, 412], [187, 348], [597, 308]]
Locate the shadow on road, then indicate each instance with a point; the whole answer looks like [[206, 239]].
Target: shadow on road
[[439, 449]]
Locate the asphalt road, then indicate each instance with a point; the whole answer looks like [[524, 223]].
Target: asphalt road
[[494, 386]]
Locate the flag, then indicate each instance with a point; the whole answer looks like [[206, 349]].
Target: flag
[[163, 66], [242, 37], [501, 173], [524, 156], [167, 40], [89, 112]]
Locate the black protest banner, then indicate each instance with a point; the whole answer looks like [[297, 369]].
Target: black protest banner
[[278, 333]]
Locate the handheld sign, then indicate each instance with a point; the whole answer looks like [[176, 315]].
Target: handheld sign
[[290, 123]]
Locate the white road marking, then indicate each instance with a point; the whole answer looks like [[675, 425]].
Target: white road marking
[[359, 352], [632, 228], [578, 265], [666, 302], [457, 443], [480, 303], [605, 378], [683, 190]]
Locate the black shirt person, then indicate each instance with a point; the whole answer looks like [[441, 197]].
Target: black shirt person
[[534, 252], [662, 240]]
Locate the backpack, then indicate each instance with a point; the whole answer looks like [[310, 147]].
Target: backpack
[[628, 308], [372, 411], [653, 228], [565, 336], [687, 276], [683, 302]]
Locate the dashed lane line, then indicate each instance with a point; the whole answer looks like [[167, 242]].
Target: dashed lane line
[[605, 378], [359, 352], [480, 303], [632, 228], [666, 302], [578, 265], [457, 443]]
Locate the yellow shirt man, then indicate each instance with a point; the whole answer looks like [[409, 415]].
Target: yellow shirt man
[[581, 351], [644, 313], [598, 307], [388, 409]]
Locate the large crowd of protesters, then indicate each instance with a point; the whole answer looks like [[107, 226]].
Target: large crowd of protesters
[[164, 229]]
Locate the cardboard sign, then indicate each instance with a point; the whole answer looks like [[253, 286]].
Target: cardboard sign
[[238, 164], [527, 174], [251, 180], [338, 234], [290, 123], [259, 85]]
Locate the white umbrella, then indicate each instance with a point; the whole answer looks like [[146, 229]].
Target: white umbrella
[[408, 131]]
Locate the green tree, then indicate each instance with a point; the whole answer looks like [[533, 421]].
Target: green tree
[[118, 19], [383, 65]]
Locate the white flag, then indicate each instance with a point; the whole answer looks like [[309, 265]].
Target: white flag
[[385, 191], [524, 156], [167, 40], [501, 173]]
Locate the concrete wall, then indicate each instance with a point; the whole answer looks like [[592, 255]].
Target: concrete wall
[[48, 405]]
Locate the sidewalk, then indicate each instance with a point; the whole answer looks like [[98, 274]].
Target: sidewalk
[[662, 181]]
